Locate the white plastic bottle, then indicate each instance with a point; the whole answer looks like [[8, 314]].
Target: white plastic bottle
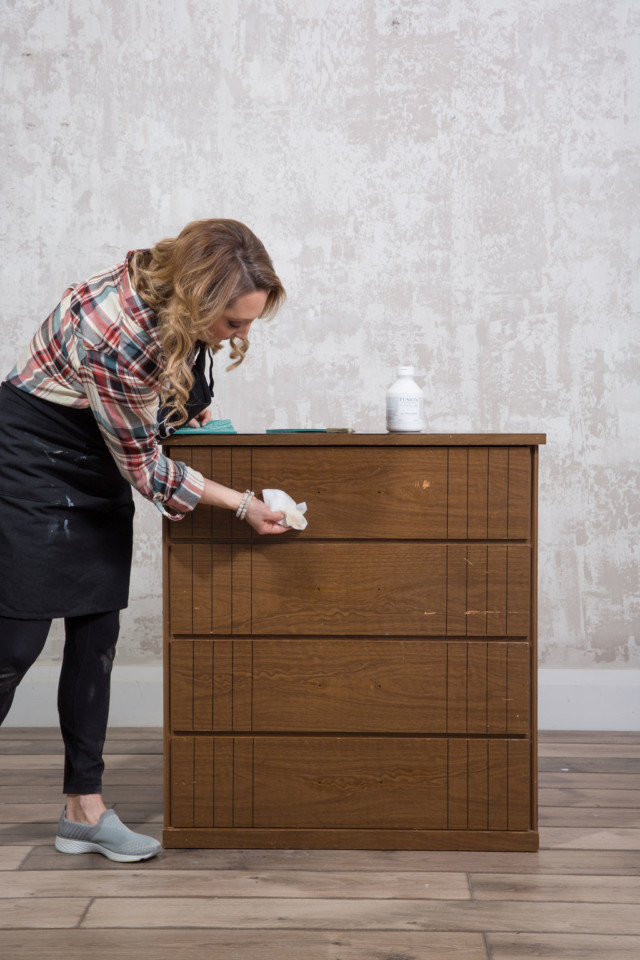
[[405, 404]]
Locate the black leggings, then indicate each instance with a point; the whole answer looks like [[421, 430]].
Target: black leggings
[[83, 692]]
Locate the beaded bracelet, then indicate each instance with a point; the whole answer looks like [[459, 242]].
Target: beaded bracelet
[[241, 512]]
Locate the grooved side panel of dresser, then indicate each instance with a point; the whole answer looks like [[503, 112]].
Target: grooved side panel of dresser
[[370, 681]]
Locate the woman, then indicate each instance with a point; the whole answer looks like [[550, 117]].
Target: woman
[[108, 373]]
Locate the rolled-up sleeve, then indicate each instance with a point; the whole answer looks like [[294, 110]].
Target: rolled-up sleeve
[[125, 406]]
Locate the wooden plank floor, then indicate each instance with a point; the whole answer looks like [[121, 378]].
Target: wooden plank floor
[[578, 898]]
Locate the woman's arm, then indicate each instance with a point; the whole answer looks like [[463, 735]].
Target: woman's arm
[[258, 515], [125, 410]]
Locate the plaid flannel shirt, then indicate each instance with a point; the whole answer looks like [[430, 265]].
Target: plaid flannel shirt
[[100, 349]]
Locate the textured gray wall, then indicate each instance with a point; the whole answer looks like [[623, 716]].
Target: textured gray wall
[[449, 184]]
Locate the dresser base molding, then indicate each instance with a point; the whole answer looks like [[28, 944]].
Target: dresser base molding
[[247, 839]]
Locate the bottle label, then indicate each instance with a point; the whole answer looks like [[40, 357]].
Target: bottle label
[[404, 413]]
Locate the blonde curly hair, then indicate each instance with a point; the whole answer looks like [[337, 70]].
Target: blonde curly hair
[[189, 281]]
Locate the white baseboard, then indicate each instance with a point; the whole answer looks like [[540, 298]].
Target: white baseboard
[[567, 699], [589, 699], [136, 697]]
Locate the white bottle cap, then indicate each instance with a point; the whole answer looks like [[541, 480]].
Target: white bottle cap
[[406, 371]]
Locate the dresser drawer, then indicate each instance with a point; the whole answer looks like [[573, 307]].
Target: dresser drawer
[[296, 587], [350, 686], [430, 493], [390, 783]]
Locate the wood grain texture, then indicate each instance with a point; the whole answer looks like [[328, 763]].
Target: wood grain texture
[[203, 752], [393, 589], [378, 783], [348, 490], [53, 912], [454, 916], [589, 798], [562, 946], [200, 576], [229, 944], [512, 886], [267, 884], [205, 522]]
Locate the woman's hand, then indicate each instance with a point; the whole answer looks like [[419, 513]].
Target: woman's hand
[[201, 419], [258, 514], [262, 519]]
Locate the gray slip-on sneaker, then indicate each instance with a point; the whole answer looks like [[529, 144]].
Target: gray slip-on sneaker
[[109, 837]]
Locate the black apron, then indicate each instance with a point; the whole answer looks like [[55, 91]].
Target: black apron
[[66, 512], [200, 396]]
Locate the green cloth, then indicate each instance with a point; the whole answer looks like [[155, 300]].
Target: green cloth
[[214, 426]]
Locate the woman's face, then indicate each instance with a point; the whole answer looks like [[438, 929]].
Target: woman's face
[[236, 320]]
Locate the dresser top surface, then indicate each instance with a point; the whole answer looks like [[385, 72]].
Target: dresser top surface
[[359, 440]]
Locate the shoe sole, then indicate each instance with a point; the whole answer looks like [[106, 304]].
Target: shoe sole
[[63, 845]]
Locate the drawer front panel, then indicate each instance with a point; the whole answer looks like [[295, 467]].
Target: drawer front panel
[[350, 783], [297, 588], [427, 493], [351, 686]]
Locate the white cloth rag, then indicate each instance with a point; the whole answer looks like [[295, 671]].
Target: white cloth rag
[[279, 501]]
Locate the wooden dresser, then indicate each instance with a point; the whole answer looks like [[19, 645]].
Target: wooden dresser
[[369, 682]]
